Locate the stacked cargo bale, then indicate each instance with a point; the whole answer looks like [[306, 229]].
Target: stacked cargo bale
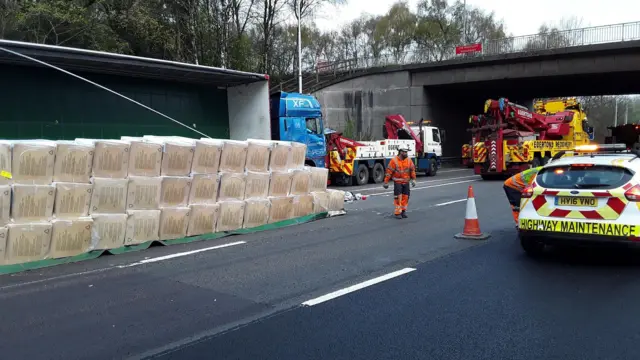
[[70, 197], [203, 199]]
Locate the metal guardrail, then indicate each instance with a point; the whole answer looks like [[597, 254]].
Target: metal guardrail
[[528, 44]]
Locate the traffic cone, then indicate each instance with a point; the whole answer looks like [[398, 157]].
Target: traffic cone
[[471, 225]]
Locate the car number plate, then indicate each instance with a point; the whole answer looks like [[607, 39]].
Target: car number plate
[[576, 201]]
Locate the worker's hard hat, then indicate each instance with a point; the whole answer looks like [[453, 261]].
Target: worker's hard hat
[[403, 148]]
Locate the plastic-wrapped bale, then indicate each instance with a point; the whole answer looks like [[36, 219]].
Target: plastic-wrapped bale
[[70, 237], [300, 182], [232, 186], [203, 219], [302, 205], [231, 216], [177, 158], [298, 155], [319, 178], [175, 191], [281, 157], [258, 155], [145, 158], [144, 193], [33, 161], [28, 242], [108, 231], [281, 208], [257, 185], [4, 232], [110, 159], [142, 226], [73, 162], [5, 161], [72, 200], [109, 196], [32, 203], [174, 222], [280, 183], [320, 202], [336, 200], [256, 213], [204, 189], [234, 156], [5, 204], [206, 159]]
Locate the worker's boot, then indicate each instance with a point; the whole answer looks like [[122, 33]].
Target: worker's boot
[[404, 214]]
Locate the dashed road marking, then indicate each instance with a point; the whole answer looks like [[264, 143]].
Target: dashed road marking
[[356, 287]]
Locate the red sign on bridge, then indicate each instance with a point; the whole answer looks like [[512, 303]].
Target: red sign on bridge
[[467, 49]]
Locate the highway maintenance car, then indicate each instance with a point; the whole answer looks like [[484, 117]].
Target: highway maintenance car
[[592, 197]]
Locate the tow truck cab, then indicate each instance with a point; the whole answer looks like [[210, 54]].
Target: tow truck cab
[[298, 117]]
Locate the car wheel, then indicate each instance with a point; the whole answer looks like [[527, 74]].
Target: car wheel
[[531, 246]]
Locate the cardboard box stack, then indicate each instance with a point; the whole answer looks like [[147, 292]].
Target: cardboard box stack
[[66, 198]]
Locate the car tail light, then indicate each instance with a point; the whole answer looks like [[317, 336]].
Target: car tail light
[[633, 194], [527, 192]]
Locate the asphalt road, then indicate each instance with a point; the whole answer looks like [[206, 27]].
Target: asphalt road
[[435, 297]]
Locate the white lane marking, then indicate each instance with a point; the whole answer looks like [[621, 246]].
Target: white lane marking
[[424, 187], [186, 253], [356, 287], [450, 202], [54, 278], [374, 187], [160, 258], [453, 170]]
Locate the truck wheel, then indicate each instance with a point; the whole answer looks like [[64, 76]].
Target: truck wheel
[[362, 175], [433, 168], [531, 246], [377, 175]]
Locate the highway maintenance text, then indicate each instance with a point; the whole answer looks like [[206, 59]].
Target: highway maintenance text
[[580, 227]]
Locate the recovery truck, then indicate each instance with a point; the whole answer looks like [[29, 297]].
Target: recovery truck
[[467, 155], [298, 117], [509, 138], [628, 134]]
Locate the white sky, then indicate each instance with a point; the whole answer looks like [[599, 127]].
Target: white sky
[[520, 17]]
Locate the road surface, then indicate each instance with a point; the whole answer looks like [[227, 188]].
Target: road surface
[[360, 286]]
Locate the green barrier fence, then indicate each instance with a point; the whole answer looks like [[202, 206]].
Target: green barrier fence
[[9, 269]]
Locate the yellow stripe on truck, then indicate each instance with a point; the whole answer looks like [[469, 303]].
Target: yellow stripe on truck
[[574, 227]]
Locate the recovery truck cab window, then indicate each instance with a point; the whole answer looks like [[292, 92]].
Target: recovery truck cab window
[[436, 135], [314, 126], [585, 176]]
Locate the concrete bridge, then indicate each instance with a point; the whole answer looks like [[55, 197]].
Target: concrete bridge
[[448, 92]]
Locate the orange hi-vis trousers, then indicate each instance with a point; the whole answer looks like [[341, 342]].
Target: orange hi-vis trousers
[[401, 192]]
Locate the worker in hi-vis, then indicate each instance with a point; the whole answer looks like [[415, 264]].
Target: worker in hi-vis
[[403, 172], [514, 186]]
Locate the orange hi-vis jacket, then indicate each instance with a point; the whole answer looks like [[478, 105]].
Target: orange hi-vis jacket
[[523, 179], [400, 171]]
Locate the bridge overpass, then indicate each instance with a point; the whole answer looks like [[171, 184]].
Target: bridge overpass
[[447, 92]]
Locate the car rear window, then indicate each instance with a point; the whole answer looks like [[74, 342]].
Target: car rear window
[[577, 176]]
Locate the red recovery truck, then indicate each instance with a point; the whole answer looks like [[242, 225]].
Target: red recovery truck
[[509, 138]]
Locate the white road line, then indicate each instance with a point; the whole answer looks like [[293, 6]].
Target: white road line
[[453, 170], [186, 253], [356, 287], [374, 187], [424, 187], [450, 202]]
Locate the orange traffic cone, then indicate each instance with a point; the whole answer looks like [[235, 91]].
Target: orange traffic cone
[[471, 225]]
